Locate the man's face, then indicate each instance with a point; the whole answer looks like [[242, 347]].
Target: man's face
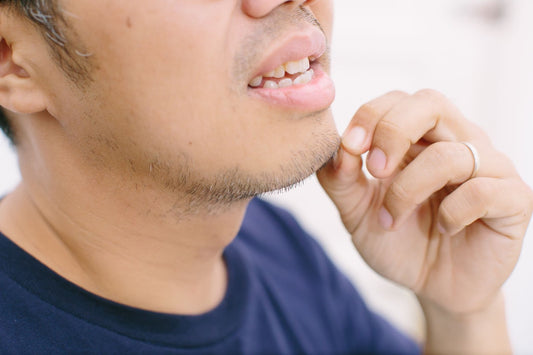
[[173, 100]]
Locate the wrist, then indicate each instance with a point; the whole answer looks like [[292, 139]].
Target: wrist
[[482, 331]]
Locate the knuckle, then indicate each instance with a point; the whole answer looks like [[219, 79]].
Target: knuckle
[[442, 152], [448, 215], [397, 93], [529, 197], [398, 192], [429, 94], [391, 137], [450, 156], [479, 188], [480, 191], [390, 128], [369, 111], [433, 97]]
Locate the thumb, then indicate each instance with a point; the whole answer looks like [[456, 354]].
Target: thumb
[[346, 184]]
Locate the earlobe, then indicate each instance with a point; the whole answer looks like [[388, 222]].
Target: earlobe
[[18, 91]]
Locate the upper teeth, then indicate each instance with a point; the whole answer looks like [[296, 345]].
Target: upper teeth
[[300, 66], [297, 67]]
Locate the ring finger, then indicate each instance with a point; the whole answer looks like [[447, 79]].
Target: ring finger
[[440, 164]]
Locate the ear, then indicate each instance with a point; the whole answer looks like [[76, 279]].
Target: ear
[[19, 92]]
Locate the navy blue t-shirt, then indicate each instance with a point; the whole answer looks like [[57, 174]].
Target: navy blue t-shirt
[[284, 296]]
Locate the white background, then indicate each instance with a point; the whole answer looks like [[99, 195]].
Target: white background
[[480, 54]]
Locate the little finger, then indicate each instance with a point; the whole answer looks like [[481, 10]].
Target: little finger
[[505, 205]]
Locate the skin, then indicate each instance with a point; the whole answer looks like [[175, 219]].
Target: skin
[[119, 174], [461, 234], [133, 173]]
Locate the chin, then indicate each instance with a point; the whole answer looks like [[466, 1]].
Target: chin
[[306, 162], [218, 190]]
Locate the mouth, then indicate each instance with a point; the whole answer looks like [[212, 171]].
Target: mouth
[[292, 75], [286, 75]]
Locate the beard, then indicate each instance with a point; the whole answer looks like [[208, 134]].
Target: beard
[[193, 191], [219, 191]]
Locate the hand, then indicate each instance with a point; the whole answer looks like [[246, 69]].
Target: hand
[[424, 221]]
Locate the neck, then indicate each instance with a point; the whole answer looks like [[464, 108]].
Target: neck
[[124, 246]]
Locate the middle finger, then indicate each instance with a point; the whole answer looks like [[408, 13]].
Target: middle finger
[[426, 114]]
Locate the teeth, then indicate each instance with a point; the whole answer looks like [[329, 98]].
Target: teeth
[[297, 67], [256, 81], [279, 72], [269, 84], [304, 78], [285, 83], [301, 67], [300, 80]]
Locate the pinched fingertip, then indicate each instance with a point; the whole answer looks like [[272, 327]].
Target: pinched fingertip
[[354, 140]]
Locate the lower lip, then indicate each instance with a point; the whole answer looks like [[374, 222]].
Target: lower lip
[[314, 96]]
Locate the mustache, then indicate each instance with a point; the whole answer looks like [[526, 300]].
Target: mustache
[[272, 28], [310, 17]]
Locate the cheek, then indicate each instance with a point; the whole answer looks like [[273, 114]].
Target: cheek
[[176, 49], [323, 10], [164, 88], [157, 78]]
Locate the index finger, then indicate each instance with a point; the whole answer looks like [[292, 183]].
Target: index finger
[[426, 114], [357, 138]]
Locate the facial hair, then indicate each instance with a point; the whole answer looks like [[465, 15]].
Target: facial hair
[[218, 191]]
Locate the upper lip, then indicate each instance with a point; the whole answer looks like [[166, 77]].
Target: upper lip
[[309, 43]]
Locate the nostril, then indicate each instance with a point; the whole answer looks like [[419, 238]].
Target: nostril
[[261, 8], [300, 2]]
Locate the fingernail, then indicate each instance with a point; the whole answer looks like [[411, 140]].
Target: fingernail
[[377, 159], [385, 218], [354, 139]]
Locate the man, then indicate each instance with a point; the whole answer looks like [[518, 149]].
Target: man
[[144, 130]]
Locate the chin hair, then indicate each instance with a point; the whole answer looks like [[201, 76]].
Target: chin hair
[[219, 192]]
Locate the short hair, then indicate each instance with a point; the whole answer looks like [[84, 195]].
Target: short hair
[[47, 17]]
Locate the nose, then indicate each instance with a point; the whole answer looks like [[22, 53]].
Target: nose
[[261, 8]]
